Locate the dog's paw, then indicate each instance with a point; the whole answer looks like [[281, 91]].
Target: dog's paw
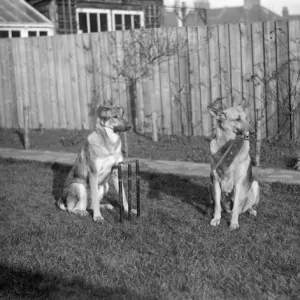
[[215, 222], [234, 226], [253, 212], [81, 213], [133, 211], [107, 206], [98, 219]]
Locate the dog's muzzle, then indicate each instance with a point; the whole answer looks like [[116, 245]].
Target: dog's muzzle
[[122, 128], [246, 136]]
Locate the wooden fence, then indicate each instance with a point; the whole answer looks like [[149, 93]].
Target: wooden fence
[[62, 78]]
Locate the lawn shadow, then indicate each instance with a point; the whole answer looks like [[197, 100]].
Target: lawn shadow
[[193, 191], [17, 283], [60, 173], [20, 134], [290, 161]]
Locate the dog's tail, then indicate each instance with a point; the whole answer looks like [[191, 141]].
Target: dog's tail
[[61, 205]]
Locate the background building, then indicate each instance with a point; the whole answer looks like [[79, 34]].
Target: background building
[[19, 19], [72, 16]]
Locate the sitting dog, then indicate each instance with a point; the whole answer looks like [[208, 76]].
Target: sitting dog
[[231, 170], [95, 164]]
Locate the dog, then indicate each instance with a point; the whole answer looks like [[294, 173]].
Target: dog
[[95, 164], [231, 168]]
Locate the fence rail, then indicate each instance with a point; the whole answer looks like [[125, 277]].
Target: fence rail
[[175, 72]]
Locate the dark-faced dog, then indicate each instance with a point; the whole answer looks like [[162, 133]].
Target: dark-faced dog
[[96, 162], [231, 169]]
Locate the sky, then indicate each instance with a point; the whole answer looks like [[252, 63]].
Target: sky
[[274, 5]]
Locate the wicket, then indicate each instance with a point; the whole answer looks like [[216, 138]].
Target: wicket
[[120, 180]]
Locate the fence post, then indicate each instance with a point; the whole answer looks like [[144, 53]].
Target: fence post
[[154, 126], [259, 117], [26, 127], [125, 144]]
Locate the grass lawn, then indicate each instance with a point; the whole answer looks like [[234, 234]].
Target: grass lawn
[[171, 252]]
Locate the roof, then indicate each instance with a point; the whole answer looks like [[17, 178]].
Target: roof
[[293, 17], [170, 19], [237, 14], [18, 11]]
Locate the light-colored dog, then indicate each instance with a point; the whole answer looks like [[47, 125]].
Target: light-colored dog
[[231, 170], [95, 164]]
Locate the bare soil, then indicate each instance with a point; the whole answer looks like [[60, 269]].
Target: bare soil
[[274, 153]]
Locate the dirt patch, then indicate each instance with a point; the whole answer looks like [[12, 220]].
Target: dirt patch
[[279, 154]]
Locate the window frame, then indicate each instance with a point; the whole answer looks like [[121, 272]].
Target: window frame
[[153, 13], [97, 11], [132, 13], [24, 32]]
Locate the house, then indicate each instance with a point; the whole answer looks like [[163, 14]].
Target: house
[[76, 16], [19, 19], [181, 15], [251, 11], [287, 16]]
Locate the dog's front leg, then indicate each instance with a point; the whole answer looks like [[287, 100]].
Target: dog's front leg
[[234, 222], [95, 203], [114, 177], [217, 198]]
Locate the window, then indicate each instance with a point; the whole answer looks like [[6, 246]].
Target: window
[[23, 32], [96, 20], [93, 20], [83, 22], [137, 21], [4, 33], [15, 33], [32, 33], [37, 33], [118, 22], [152, 16], [103, 22], [93, 23], [127, 20]]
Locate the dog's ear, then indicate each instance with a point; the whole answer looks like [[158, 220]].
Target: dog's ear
[[251, 127], [219, 103], [243, 105], [216, 113], [102, 112], [121, 109]]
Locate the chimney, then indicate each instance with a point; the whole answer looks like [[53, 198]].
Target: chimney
[[183, 13], [285, 12], [183, 10], [248, 4], [176, 5], [201, 4]]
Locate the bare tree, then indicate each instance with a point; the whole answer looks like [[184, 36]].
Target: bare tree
[[287, 79], [143, 50], [183, 13]]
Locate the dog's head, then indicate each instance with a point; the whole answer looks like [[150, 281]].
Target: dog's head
[[113, 118], [232, 119]]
